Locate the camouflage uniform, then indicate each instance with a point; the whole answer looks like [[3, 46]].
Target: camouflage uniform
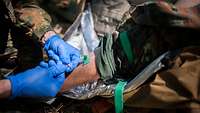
[[108, 14], [154, 28], [26, 23], [5, 12], [62, 12]]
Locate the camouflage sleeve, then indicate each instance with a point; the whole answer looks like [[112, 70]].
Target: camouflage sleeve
[[7, 9], [35, 20], [167, 14], [108, 14]]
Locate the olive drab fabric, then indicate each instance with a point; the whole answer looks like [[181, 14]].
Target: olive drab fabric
[[104, 58]]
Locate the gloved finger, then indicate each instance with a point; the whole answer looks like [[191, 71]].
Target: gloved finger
[[58, 69], [68, 68], [51, 63], [59, 62], [75, 60], [44, 64], [50, 41], [52, 55], [63, 55], [60, 78], [46, 46], [64, 66], [71, 66]]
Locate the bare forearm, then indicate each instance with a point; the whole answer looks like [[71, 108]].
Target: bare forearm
[[81, 75], [5, 89]]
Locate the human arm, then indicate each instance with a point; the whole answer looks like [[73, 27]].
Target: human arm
[[5, 89], [44, 80], [84, 73]]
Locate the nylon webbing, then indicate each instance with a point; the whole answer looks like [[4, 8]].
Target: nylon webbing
[[126, 46], [119, 89]]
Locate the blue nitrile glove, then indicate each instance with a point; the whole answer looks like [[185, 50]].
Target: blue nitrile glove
[[68, 54], [44, 80]]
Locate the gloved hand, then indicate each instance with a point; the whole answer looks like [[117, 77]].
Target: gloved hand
[[68, 54], [44, 80]]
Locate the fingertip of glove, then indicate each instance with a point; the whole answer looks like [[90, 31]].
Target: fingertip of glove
[[51, 39], [43, 64], [68, 69], [65, 60], [61, 76]]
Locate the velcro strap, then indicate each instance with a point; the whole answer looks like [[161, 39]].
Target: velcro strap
[[119, 89], [126, 46]]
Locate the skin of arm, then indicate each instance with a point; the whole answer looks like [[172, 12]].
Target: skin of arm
[[82, 74], [5, 89]]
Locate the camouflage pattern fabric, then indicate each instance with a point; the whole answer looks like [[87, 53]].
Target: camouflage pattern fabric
[[154, 28], [62, 12], [32, 23], [6, 11], [176, 15], [108, 14], [65, 9], [26, 32], [31, 17]]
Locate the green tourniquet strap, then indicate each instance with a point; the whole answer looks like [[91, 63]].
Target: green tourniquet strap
[[119, 89], [86, 59], [123, 36]]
